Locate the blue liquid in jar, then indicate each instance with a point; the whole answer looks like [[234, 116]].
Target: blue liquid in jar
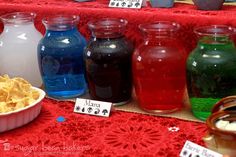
[[60, 55]]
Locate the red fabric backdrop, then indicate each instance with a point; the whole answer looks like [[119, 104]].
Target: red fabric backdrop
[[123, 134], [185, 14]]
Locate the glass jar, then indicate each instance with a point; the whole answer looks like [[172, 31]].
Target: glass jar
[[208, 4], [159, 68], [221, 126], [108, 61], [60, 55], [18, 47], [211, 69]]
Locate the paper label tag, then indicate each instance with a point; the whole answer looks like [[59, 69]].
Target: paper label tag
[[191, 149], [92, 107], [135, 4]]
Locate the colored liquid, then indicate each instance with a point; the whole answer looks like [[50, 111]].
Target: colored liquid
[[159, 76], [18, 57], [61, 62], [211, 75], [108, 69], [201, 107]]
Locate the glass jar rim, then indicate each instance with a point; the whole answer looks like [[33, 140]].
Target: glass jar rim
[[18, 17], [215, 30], [107, 23], [160, 26], [61, 21]]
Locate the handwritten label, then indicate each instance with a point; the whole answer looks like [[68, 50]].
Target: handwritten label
[[135, 4], [191, 149], [92, 107]]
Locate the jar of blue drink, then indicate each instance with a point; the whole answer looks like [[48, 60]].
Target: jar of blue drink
[[60, 56]]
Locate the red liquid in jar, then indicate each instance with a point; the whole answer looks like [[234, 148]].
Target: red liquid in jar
[[159, 75]]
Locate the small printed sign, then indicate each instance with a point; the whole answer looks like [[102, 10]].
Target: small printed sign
[[92, 107], [191, 149], [135, 4]]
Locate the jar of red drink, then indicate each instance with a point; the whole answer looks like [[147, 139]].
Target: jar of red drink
[[159, 68]]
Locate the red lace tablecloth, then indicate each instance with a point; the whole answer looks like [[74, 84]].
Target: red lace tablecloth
[[185, 14], [122, 134]]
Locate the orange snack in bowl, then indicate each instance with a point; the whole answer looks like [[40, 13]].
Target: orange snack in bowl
[[15, 93]]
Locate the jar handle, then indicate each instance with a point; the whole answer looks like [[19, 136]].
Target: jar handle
[[224, 103]]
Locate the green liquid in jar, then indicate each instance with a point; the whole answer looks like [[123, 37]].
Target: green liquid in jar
[[211, 74], [201, 107]]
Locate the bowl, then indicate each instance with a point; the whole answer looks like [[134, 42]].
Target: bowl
[[221, 127], [21, 116]]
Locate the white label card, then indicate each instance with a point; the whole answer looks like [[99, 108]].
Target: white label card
[[92, 107], [135, 4], [191, 149]]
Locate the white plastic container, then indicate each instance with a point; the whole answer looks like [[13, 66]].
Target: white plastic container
[[20, 117], [18, 47]]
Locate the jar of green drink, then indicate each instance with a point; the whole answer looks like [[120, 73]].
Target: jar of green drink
[[211, 69]]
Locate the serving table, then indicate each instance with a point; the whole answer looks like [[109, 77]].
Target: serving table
[[122, 134], [60, 132]]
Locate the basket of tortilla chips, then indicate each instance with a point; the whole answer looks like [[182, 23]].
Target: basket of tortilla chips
[[20, 103]]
